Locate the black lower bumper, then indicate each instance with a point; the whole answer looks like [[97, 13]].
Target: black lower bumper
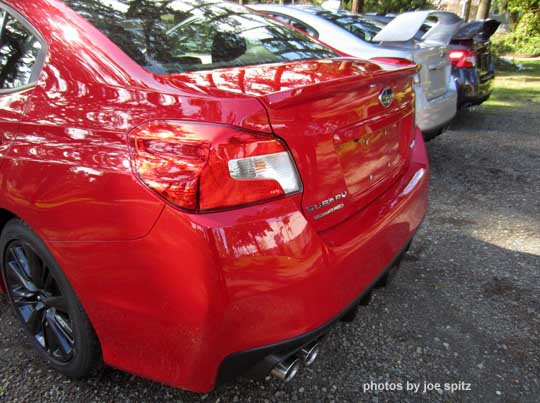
[[472, 87], [258, 362], [436, 131]]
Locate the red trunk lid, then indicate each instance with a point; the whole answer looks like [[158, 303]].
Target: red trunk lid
[[347, 145]]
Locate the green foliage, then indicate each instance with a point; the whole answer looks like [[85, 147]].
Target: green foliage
[[529, 25], [515, 6], [392, 6], [525, 40], [520, 6]]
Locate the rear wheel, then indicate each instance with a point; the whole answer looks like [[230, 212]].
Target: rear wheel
[[45, 303]]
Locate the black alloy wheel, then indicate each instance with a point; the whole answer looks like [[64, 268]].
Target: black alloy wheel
[[38, 301], [46, 304]]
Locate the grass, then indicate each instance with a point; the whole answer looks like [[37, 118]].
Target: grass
[[515, 87]]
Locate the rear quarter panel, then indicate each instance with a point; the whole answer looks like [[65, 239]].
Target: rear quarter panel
[[68, 172]]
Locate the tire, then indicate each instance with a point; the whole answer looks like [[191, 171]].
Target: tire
[[387, 277], [45, 303]]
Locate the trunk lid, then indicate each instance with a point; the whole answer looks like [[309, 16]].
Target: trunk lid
[[484, 61], [347, 146], [476, 36], [435, 71]]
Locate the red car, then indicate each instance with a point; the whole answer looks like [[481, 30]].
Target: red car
[[190, 191]]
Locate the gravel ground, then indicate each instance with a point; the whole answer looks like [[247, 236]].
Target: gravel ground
[[463, 309]]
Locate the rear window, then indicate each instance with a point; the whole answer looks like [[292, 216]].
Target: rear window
[[168, 37], [360, 27]]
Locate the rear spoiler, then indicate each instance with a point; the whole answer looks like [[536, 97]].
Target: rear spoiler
[[405, 26], [331, 5], [282, 99], [485, 28]]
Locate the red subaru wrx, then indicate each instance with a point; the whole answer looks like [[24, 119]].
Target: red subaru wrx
[[190, 191]]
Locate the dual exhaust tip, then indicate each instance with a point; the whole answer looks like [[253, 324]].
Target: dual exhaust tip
[[287, 369]]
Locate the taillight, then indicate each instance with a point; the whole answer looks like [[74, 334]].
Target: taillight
[[200, 167], [462, 58]]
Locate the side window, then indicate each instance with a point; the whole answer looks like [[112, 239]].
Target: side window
[[281, 18], [295, 23], [304, 27], [19, 50]]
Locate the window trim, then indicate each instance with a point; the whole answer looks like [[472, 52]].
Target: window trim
[[294, 19], [37, 69]]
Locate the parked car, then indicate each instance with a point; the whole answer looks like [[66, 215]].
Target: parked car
[[190, 191], [436, 96], [473, 65]]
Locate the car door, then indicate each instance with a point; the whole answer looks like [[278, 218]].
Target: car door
[[21, 58]]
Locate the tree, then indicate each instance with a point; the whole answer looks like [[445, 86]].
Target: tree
[[525, 38], [483, 9], [387, 6], [467, 10], [357, 6]]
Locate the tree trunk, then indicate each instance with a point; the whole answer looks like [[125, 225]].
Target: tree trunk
[[466, 10], [357, 6], [483, 9]]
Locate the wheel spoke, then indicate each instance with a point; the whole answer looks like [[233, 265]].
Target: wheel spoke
[[48, 280], [59, 303], [38, 300], [20, 294], [21, 258], [20, 276], [48, 337], [35, 320], [35, 266], [58, 335]]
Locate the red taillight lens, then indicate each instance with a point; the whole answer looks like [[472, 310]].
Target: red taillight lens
[[462, 58], [202, 167]]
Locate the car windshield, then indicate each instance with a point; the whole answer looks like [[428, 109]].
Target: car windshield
[[360, 27], [168, 37]]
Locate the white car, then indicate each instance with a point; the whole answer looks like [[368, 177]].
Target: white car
[[436, 95]]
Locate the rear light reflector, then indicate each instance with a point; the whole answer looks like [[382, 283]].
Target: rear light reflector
[[462, 58], [278, 166], [201, 167]]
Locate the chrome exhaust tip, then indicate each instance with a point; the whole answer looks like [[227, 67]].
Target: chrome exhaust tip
[[310, 353], [286, 370]]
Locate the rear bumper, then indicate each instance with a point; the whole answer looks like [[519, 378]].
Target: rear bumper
[[435, 113], [200, 288], [472, 89], [258, 362]]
